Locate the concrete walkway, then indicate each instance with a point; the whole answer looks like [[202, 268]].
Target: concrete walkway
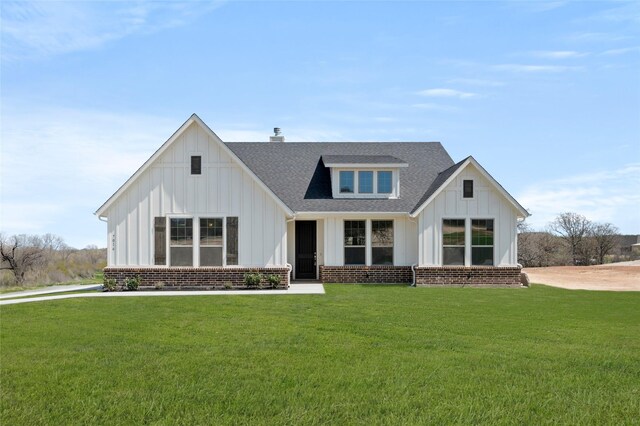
[[50, 290], [293, 289]]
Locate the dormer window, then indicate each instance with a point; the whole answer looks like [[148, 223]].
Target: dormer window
[[365, 182], [346, 182], [364, 176], [385, 182]]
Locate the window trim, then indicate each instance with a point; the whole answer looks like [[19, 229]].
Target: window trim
[[336, 174]]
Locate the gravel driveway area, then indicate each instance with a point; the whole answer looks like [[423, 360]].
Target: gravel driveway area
[[624, 276]]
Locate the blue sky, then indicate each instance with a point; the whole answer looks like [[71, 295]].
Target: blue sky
[[545, 95]]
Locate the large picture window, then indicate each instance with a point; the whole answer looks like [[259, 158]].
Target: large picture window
[[181, 242], [354, 242], [482, 242], [346, 182], [211, 242], [453, 241], [382, 242]]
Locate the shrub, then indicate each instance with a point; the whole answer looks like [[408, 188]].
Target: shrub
[[228, 285], [252, 279], [131, 284], [159, 285], [109, 284], [274, 280]]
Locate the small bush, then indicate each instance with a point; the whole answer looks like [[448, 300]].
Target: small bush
[[132, 284], [228, 285], [252, 279], [109, 284], [159, 285], [274, 280]]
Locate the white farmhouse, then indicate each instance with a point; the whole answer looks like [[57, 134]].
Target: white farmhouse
[[203, 213]]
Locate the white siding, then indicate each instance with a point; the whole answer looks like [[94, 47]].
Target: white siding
[[223, 189], [331, 245], [487, 203]]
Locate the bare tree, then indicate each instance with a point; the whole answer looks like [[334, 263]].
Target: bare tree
[[604, 237], [573, 228], [20, 254]]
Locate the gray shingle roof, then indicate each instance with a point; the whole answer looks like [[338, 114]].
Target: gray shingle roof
[[361, 159], [295, 172]]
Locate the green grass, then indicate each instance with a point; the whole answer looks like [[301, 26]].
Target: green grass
[[357, 355]]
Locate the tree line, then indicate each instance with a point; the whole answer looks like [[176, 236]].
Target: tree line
[[570, 239], [28, 259]]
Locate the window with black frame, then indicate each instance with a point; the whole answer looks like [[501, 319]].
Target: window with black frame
[[181, 242], [211, 242], [382, 242], [453, 242], [482, 242], [354, 242]]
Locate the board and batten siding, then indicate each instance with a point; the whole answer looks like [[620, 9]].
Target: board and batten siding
[[487, 203], [405, 247], [167, 188]]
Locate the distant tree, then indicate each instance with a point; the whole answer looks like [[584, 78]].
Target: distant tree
[[604, 239], [20, 254], [573, 228]]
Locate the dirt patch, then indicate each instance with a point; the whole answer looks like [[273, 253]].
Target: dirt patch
[[602, 277]]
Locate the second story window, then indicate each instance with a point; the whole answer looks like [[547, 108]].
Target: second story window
[[467, 189], [346, 182], [365, 182], [384, 182], [196, 165]]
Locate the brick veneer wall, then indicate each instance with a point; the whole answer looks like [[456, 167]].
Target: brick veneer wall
[[473, 276], [425, 276], [366, 274], [204, 278]]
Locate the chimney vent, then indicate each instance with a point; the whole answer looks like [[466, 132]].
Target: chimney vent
[[277, 135]]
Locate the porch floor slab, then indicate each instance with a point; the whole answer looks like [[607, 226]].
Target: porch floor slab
[[293, 289]]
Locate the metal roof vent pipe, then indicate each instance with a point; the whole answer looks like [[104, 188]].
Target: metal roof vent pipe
[[277, 136]]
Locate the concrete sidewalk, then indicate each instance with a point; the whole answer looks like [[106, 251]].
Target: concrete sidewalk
[[50, 290], [293, 289]]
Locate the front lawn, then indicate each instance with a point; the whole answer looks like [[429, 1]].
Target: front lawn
[[359, 354]]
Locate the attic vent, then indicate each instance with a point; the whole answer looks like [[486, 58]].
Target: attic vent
[[277, 136]]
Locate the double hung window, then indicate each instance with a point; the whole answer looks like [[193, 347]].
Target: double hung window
[[354, 242], [382, 242], [181, 242], [482, 242], [453, 241]]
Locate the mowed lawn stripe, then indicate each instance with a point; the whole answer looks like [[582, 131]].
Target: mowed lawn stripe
[[359, 354]]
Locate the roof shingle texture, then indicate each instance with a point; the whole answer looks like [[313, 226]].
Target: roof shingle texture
[[362, 159], [295, 172]]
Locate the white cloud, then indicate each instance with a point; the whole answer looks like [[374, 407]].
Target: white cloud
[[559, 54], [435, 107], [621, 51], [446, 93], [604, 196], [535, 68], [33, 29], [477, 82]]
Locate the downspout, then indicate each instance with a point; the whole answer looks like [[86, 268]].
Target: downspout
[[413, 270], [413, 267]]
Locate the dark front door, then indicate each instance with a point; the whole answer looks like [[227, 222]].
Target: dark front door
[[306, 249]]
